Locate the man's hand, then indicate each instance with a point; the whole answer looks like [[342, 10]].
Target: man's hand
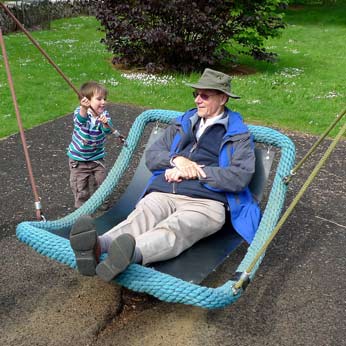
[[184, 169], [188, 169], [173, 175]]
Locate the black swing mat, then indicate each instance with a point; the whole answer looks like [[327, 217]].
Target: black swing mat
[[194, 264]]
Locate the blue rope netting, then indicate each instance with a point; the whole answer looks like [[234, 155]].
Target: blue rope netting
[[144, 279]]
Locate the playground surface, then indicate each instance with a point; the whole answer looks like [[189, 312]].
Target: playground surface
[[297, 297]]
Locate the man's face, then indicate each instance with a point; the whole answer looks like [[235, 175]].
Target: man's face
[[210, 103]]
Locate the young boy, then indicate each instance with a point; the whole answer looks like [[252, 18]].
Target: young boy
[[86, 151]]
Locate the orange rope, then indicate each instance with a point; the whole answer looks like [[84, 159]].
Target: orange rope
[[39, 215]]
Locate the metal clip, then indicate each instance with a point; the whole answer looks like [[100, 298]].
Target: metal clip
[[288, 178], [244, 277], [117, 135], [38, 205], [268, 152], [156, 128]]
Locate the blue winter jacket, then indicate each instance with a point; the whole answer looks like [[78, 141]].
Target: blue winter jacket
[[244, 210]]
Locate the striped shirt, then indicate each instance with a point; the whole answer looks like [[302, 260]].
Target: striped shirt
[[88, 137]]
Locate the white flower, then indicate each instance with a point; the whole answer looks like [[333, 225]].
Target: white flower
[[24, 62], [291, 72], [149, 79], [112, 81], [329, 95], [68, 41], [252, 102]]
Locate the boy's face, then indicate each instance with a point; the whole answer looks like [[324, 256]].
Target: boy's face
[[98, 103]]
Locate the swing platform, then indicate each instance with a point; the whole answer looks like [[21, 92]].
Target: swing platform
[[176, 280]]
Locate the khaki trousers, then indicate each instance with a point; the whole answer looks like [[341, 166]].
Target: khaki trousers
[[85, 178], [164, 225]]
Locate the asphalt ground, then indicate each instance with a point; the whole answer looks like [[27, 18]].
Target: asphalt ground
[[297, 297]]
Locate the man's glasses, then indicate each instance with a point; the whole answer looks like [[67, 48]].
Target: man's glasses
[[203, 96]]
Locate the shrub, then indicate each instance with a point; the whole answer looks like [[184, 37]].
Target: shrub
[[35, 14], [185, 36]]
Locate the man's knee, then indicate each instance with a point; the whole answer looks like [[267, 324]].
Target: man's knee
[[151, 200]]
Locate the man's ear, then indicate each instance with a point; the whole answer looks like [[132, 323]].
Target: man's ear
[[224, 99]]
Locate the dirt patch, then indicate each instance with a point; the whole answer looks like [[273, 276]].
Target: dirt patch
[[242, 70], [296, 7]]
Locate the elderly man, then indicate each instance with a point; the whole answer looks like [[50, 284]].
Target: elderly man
[[201, 167]]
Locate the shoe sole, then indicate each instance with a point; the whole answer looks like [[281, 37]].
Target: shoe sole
[[119, 257], [83, 239]]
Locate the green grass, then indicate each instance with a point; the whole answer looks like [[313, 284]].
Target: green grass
[[303, 91]]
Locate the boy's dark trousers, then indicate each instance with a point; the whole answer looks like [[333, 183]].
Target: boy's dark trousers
[[85, 178]]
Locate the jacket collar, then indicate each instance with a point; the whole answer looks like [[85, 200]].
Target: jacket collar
[[232, 122]]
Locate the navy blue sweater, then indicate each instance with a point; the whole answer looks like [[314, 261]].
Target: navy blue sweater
[[204, 152]]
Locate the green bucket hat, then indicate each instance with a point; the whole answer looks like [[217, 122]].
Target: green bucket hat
[[214, 80]]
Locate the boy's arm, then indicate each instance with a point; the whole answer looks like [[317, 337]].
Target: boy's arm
[[78, 119], [84, 105], [106, 121]]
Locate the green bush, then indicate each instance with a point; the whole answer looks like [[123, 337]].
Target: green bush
[[186, 36]]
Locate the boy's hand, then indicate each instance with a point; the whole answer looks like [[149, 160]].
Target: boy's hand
[[84, 105], [103, 119]]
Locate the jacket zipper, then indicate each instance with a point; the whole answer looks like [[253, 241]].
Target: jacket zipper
[[193, 148]]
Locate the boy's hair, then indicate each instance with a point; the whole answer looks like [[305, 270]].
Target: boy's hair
[[89, 89]]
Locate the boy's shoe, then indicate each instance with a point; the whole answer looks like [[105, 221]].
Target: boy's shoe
[[120, 256], [85, 244]]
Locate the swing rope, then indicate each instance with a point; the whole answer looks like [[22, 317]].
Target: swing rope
[[57, 68], [244, 278], [38, 207], [314, 147]]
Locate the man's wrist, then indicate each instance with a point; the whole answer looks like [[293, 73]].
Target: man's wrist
[[171, 161]]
